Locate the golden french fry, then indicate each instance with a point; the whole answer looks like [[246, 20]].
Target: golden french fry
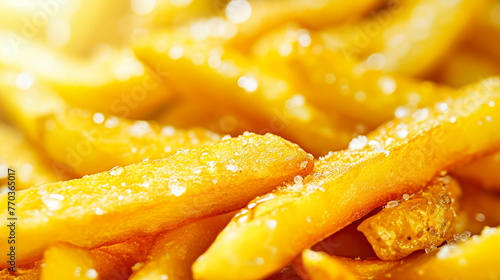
[[87, 142], [116, 261], [475, 258], [175, 251], [16, 153], [483, 171], [318, 266], [332, 82], [66, 262], [419, 221], [114, 82], [406, 38], [187, 113], [153, 196], [400, 157], [235, 82], [254, 17]]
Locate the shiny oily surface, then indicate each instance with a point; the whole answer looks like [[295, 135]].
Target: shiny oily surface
[[153, 196], [414, 222], [399, 157]]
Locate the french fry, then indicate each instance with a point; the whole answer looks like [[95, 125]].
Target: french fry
[[88, 142], [400, 157], [406, 38], [332, 82], [235, 82], [175, 251], [471, 259], [151, 197], [264, 15], [116, 261], [114, 82], [318, 266], [65, 262], [17, 153], [422, 220], [187, 113], [313, 265]]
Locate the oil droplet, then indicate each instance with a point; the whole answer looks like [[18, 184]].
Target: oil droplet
[[99, 211], [91, 274], [271, 224], [206, 157], [53, 202], [232, 167], [116, 171], [176, 189]]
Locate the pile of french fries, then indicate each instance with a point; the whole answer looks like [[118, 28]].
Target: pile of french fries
[[249, 139]]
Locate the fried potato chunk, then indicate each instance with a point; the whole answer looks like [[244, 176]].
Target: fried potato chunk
[[237, 83], [333, 82], [66, 262], [318, 266], [400, 157], [17, 153], [114, 82], [422, 220], [153, 196], [175, 251], [88, 142], [475, 258]]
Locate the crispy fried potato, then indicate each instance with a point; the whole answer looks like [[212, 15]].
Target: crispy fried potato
[[187, 113], [415, 222], [475, 258], [17, 153], [175, 251], [235, 82], [88, 143], [150, 197], [318, 266], [315, 265], [400, 157], [114, 82], [116, 261], [332, 82], [406, 37], [483, 171], [66, 262], [25, 272], [268, 14]]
